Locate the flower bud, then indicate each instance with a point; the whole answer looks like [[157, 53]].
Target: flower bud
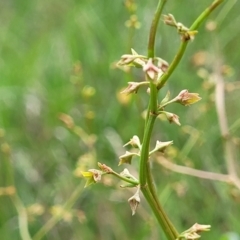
[[186, 98], [134, 142], [172, 118], [127, 158], [185, 33], [161, 146], [169, 20], [92, 176], [125, 173], [132, 88], [133, 59], [192, 233], [134, 201], [104, 168], [152, 71], [162, 64]]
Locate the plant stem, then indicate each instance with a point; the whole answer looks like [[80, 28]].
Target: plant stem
[[153, 31], [22, 217], [132, 181], [145, 151], [171, 235], [205, 14], [145, 178], [17, 202], [184, 43]]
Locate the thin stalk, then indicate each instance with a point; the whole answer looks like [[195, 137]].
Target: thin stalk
[[145, 150], [129, 180], [21, 210], [153, 31], [145, 178], [22, 217], [202, 17], [170, 234], [168, 227]]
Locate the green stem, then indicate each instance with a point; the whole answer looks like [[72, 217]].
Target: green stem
[[205, 14], [184, 43], [22, 217], [145, 151], [145, 178], [158, 212], [153, 31], [129, 180], [168, 227], [21, 210]]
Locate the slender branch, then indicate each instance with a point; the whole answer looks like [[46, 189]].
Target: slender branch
[[199, 173], [223, 123], [153, 30], [145, 150], [129, 180], [202, 17], [22, 217], [193, 172], [170, 233], [146, 179], [184, 43], [12, 193]]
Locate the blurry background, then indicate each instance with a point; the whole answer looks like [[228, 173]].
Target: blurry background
[[61, 113]]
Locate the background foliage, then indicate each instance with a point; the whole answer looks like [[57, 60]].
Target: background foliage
[[58, 57]]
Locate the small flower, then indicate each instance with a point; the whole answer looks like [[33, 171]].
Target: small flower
[[151, 70], [126, 174], [169, 20], [200, 228], [161, 146], [104, 168], [127, 58], [134, 142], [185, 33], [192, 232], [162, 64], [127, 158], [172, 118], [133, 59], [92, 176], [132, 88], [186, 98], [134, 201]]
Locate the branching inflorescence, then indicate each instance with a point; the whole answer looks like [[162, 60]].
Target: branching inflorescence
[[157, 72]]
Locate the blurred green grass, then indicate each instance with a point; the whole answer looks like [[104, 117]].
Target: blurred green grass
[[51, 52]]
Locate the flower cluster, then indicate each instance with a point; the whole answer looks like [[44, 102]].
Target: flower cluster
[[185, 33]]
